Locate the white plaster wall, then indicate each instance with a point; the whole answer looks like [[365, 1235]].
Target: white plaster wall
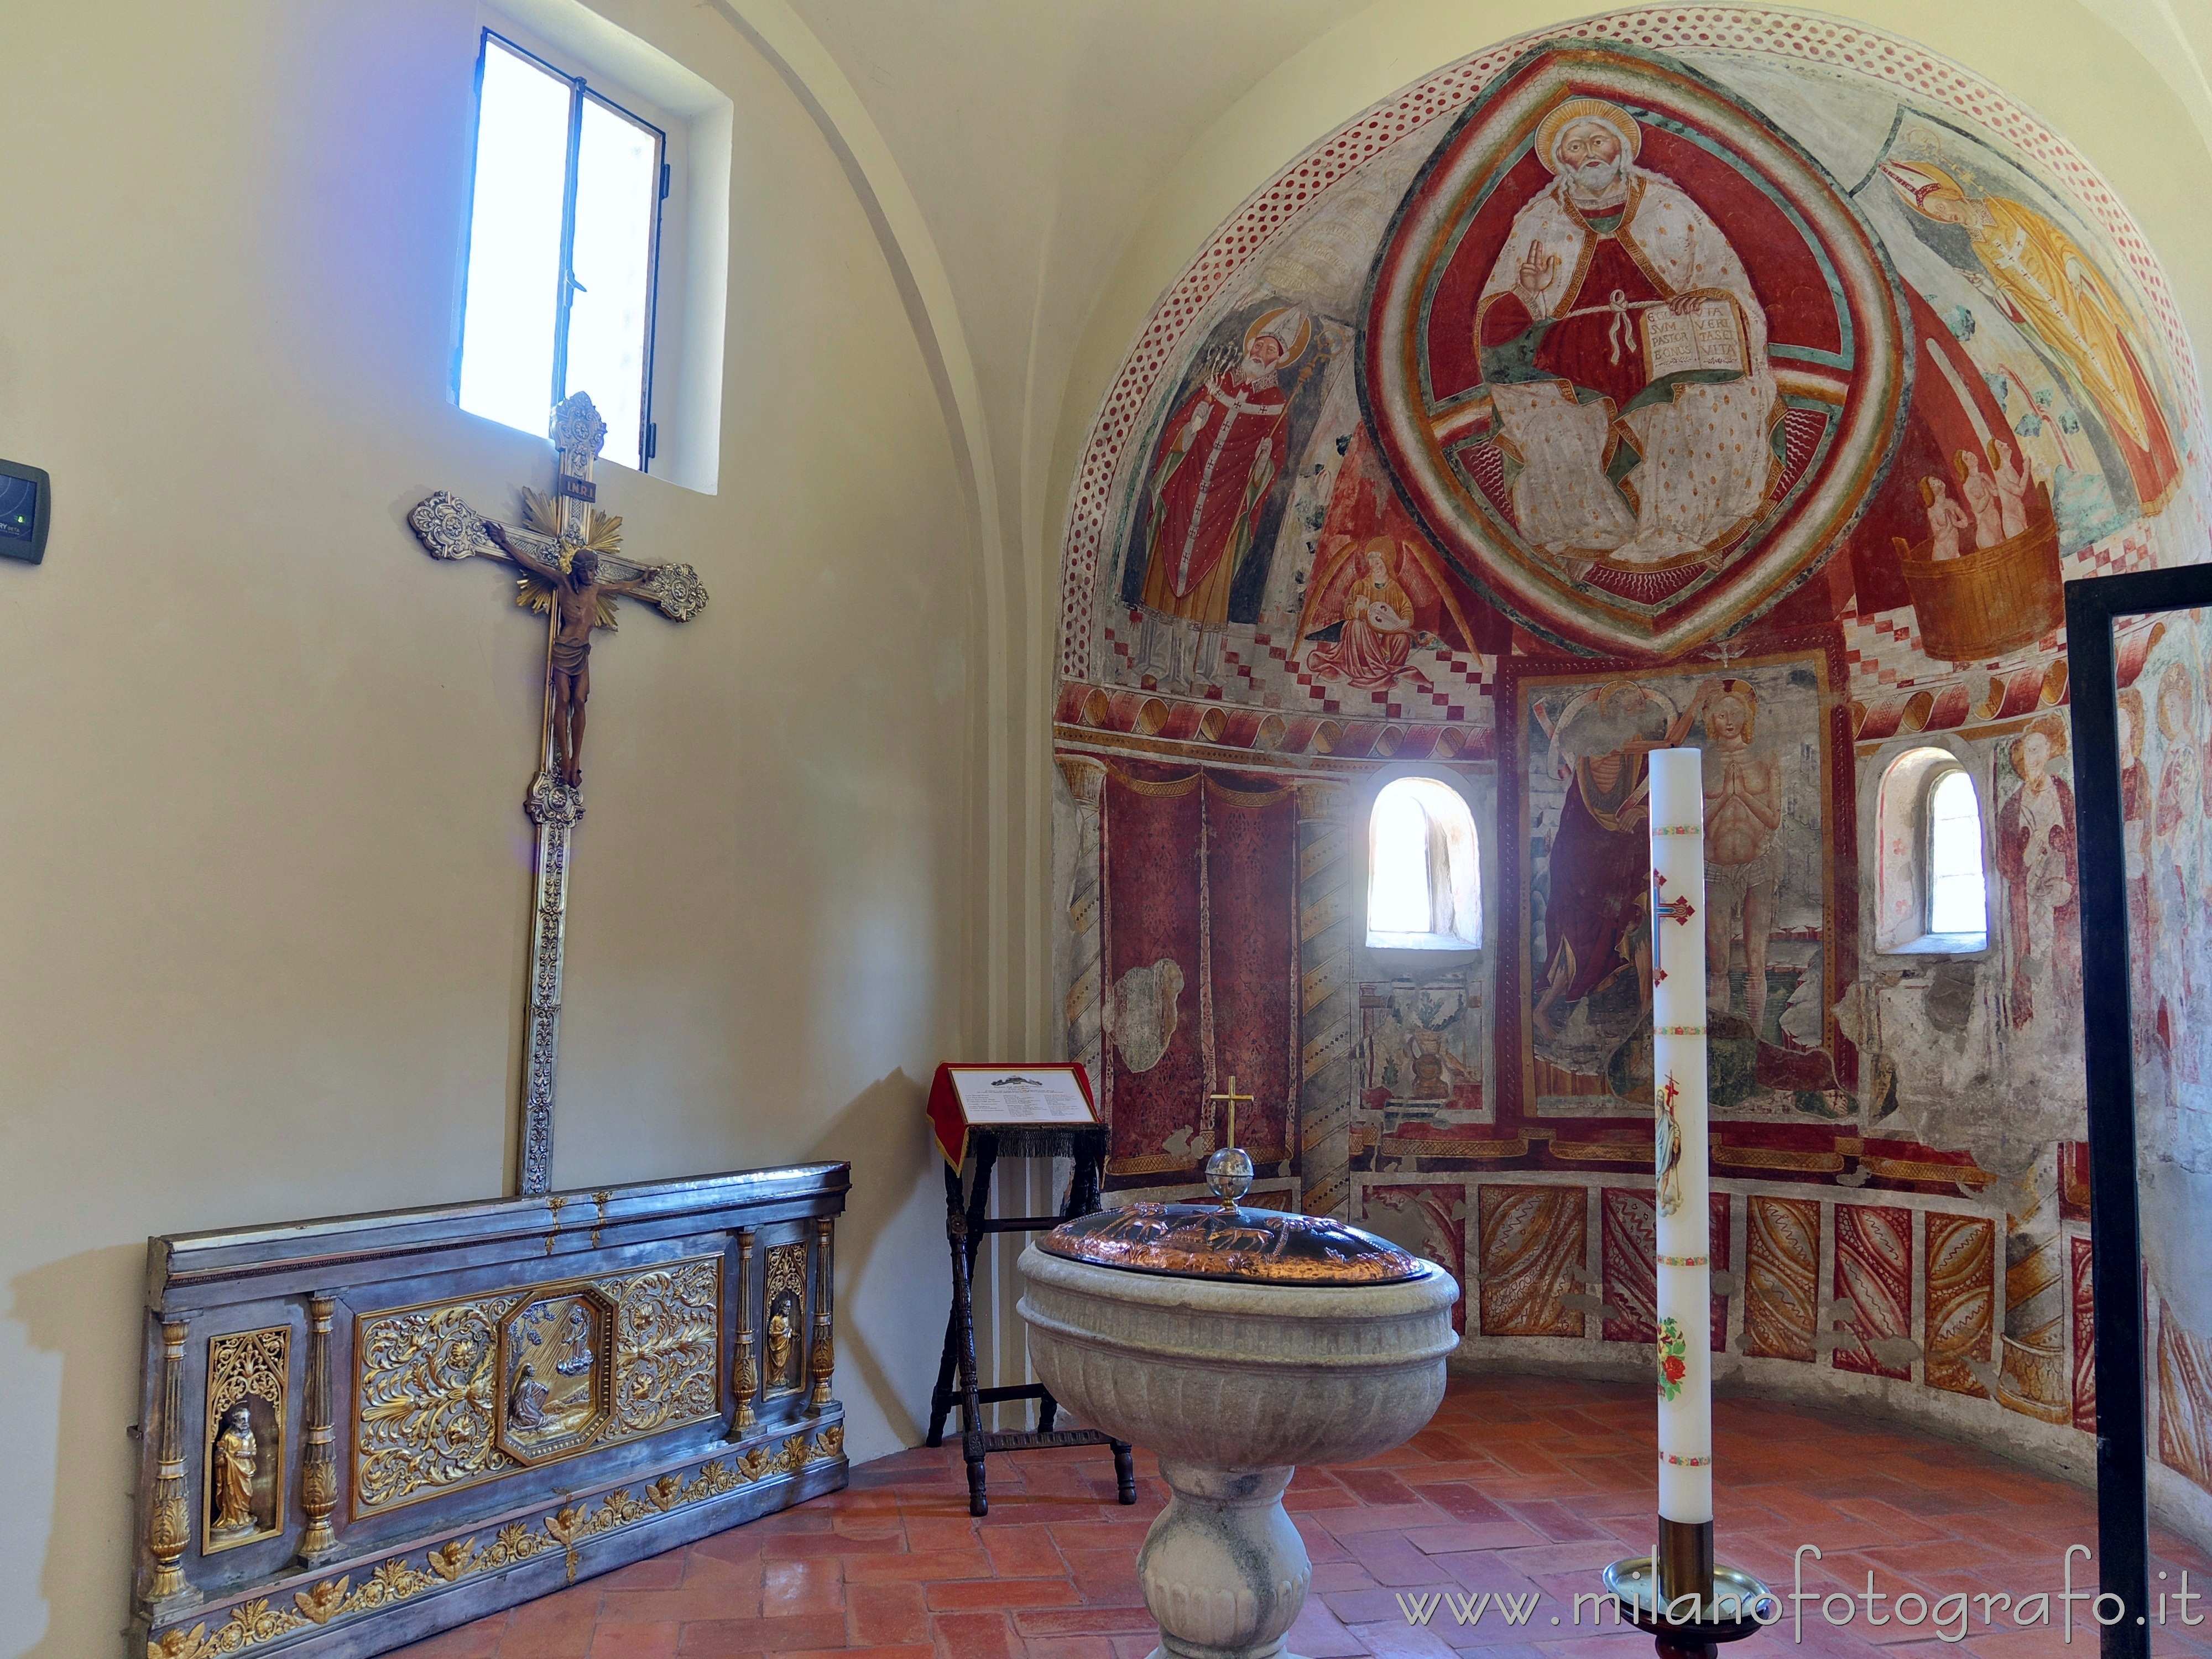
[[263, 931]]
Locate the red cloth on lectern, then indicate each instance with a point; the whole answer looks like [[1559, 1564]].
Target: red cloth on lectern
[[950, 1124]]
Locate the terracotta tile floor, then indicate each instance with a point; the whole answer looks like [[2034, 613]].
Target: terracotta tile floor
[[1519, 1486]]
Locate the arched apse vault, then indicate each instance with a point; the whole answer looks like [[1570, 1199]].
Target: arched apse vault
[[1729, 376]]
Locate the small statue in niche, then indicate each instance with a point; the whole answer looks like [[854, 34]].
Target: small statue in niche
[[525, 1400], [779, 1349], [236, 1454]]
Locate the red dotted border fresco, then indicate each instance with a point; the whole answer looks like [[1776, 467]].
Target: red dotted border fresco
[[1800, 36]]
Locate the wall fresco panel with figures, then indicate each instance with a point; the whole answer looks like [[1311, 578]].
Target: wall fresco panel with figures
[[1724, 377]]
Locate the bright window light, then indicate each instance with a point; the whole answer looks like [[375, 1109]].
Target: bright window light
[[1957, 893], [1398, 900], [610, 319], [563, 229], [1423, 887]]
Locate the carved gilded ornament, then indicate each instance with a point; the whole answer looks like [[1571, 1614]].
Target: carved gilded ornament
[[822, 1362], [566, 1529], [668, 1326], [787, 1270], [169, 1521], [319, 1475], [436, 1409], [748, 1378], [425, 1396]]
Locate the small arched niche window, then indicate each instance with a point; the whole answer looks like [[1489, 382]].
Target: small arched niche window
[[1424, 879], [1931, 889]]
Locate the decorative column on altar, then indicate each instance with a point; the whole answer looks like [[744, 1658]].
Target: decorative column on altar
[[1678, 1594]]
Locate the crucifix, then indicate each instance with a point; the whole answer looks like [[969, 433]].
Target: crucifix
[[574, 571], [1229, 1140], [1229, 1171]]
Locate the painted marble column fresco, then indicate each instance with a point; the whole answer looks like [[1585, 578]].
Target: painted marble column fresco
[[1531, 1245], [1327, 995], [1782, 1278], [1082, 1006], [2085, 1336], [1626, 1243], [1960, 1296], [1873, 1272], [2035, 1377]]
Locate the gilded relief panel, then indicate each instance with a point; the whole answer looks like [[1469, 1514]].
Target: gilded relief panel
[[555, 1375], [668, 1331], [451, 1394], [243, 1486]]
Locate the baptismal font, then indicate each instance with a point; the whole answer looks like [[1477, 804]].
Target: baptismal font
[[1235, 1343]]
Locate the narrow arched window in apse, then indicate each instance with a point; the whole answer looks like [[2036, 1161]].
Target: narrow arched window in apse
[[1958, 890], [1424, 881], [1931, 885]]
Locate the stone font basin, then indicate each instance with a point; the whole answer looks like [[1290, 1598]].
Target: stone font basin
[[1231, 1381]]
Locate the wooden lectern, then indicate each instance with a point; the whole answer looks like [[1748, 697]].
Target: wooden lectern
[[1023, 1112]]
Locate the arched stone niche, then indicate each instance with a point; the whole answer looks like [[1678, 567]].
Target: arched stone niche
[[1780, 443]]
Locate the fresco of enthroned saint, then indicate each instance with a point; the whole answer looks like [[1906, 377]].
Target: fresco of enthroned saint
[[1625, 352]]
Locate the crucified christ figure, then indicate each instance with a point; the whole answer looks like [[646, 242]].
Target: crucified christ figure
[[576, 599]]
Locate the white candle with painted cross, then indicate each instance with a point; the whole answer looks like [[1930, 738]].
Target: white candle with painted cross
[[1683, 1305]]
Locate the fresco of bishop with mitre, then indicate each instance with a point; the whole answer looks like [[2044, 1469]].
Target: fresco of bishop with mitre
[[1625, 356]]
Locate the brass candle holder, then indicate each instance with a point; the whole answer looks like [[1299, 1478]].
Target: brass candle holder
[[1716, 1604]]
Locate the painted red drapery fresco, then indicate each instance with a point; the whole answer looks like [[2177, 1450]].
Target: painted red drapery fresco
[[1201, 950]]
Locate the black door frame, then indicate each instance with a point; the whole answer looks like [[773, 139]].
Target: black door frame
[[2093, 604]]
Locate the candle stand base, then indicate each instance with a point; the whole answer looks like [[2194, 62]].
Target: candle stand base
[[1732, 1612]]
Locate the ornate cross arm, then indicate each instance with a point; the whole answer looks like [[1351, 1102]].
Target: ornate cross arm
[[449, 528], [674, 590]]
